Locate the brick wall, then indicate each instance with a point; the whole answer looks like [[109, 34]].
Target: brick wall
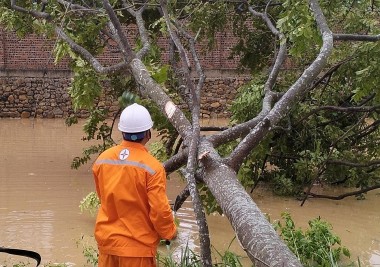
[[30, 53], [34, 53], [2, 50], [32, 85]]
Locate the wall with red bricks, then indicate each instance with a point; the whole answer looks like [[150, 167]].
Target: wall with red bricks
[[35, 53]]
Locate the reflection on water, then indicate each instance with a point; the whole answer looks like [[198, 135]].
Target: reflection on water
[[374, 259], [187, 234], [36, 228], [40, 194]]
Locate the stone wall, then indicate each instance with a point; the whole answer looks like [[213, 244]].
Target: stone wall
[[34, 97], [25, 95]]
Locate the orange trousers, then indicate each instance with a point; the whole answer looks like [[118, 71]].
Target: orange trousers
[[106, 260]]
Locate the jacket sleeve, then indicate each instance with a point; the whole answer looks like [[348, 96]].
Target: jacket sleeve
[[160, 212], [95, 170]]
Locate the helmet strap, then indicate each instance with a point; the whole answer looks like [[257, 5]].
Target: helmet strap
[[137, 137], [148, 134]]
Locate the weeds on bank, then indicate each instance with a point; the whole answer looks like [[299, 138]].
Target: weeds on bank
[[189, 258], [89, 251], [316, 246]]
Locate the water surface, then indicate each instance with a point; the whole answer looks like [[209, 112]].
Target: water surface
[[40, 194]]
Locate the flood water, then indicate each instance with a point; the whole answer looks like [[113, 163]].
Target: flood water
[[40, 194]]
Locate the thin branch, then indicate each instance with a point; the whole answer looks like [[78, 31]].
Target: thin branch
[[366, 100], [181, 198], [354, 164], [125, 48], [354, 193], [181, 88], [34, 13], [186, 66], [356, 37], [88, 56], [141, 27], [280, 58], [330, 72], [323, 165], [75, 7], [213, 128], [256, 183], [366, 131], [192, 161], [340, 109], [114, 119]]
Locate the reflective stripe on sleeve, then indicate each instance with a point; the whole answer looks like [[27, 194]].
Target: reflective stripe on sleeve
[[126, 162]]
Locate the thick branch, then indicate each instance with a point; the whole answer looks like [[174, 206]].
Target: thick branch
[[192, 161], [237, 131], [282, 107], [154, 91]]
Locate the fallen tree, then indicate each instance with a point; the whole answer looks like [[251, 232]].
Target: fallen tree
[[85, 28]]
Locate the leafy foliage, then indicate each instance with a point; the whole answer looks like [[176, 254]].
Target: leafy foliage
[[90, 252], [298, 24], [247, 103], [90, 203], [316, 246], [209, 202], [95, 129], [85, 87], [303, 146]]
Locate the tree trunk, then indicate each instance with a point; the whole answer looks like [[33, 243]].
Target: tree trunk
[[255, 234]]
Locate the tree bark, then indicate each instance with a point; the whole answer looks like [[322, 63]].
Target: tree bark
[[255, 234]]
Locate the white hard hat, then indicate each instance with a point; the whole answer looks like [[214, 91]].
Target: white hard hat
[[134, 119]]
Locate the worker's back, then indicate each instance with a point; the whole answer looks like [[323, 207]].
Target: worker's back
[[134, 212]]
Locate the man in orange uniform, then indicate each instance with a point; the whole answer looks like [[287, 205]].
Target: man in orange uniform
[[131, 184]]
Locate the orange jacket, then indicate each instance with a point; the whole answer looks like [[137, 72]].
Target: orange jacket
[[134, 212]]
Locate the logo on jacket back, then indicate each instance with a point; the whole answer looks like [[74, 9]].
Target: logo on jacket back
[[124, 154]]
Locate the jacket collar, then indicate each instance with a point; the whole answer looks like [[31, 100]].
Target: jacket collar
[[125, 143]]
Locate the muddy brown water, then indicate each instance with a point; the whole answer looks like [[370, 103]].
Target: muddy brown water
[[40, 194]]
